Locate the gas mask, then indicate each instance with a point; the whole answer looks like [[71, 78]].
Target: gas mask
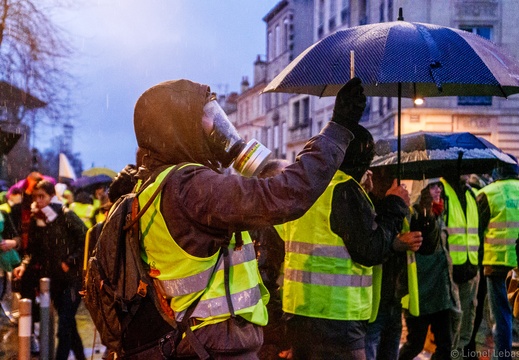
[[229, 148]]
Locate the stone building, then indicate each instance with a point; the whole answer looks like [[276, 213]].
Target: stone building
[[286, 121]]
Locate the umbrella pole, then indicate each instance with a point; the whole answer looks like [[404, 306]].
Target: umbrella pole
[[399, 134]]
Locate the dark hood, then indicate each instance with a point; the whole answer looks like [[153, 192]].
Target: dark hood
[[168, 124]]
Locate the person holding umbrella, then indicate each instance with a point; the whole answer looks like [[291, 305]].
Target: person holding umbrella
[[330, 252], [498, 205], [182, 133]]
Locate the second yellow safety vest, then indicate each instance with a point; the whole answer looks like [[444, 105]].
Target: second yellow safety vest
[[187, 278], [321, 280], [463, 236], [503, 228]]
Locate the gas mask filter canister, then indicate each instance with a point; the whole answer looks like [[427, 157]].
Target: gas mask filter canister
[[247, 158]]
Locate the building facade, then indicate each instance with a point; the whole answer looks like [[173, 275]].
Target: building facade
[[287, 121]]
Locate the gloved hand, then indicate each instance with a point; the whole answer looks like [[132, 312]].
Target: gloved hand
[[349, 104]]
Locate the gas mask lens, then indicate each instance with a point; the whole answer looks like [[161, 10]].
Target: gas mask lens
[[249, 158]]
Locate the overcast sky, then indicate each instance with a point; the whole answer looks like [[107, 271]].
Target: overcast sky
[[126, 46]]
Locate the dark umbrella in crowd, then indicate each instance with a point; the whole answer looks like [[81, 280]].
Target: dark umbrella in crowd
[[89, 183], [427, 155], [402, 59]]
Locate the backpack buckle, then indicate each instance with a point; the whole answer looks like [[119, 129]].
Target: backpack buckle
[[167, 345]]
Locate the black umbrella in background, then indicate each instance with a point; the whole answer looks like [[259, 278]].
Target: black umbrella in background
[[90, 183], [402, 59], [427, 155]]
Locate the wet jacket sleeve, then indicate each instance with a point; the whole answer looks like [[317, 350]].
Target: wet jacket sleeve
[[231, 201], [368, 235], [202, 208]]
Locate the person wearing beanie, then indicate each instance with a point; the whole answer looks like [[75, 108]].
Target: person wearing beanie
[[331, 252]]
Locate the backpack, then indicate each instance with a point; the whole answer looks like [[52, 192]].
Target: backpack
[[117, 283]]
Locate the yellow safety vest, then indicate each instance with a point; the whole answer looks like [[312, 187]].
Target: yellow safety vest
[[84, 212], [187, 278], [463, 236], [5, 207], [411, 301], [321, 280], [503, 227]]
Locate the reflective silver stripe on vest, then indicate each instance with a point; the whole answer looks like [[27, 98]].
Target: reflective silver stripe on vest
[[463, 248], [218, 306], [493, 241], [297, 247], [307, 277], [456, 230], [503, 225], [198, 282]]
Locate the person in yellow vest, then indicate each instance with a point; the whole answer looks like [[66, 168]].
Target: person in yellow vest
[[384, 333], [498, 205], [434, 275], [212, 283], [330, 251], [83, 208], [462, 221]]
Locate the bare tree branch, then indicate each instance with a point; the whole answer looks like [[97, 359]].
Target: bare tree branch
[[35, 54]]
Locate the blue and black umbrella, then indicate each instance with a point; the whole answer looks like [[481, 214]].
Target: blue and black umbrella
[[90, 183], [428, 155], [425, 60], [402, 59]]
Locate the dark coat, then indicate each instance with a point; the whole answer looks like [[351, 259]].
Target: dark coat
[[59, 241]]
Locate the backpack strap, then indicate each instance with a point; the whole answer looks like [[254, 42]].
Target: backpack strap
[[150, 201], [135, 216]]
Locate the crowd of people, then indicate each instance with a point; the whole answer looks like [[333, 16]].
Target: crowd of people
[[316, 259]]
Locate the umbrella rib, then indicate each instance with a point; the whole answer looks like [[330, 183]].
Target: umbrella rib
[[322, 92], [503, 91]]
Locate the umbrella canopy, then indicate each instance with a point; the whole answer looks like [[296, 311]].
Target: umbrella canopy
[[425, 59], [402, 59], [99, 171], [429, 155], [87, 183]]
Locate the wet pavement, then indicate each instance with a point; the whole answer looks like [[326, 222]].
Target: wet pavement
[[9, 337], [94, 350]]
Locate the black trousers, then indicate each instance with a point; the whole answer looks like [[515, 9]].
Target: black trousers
[[417, 327]]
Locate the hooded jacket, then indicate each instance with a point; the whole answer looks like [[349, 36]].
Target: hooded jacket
[[203, 207]]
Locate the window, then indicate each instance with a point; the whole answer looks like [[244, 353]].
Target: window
[[286, 34], [306, 111], [389, 10], [331, 21], [320, 20], [345, 13], [276, 137], [381, 11], [283, 138], [300, 113], [270, 48], [363, 15], [296, 114], [486, 32], [278, 41]]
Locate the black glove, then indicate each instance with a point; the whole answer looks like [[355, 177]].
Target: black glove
[[349, 104]]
